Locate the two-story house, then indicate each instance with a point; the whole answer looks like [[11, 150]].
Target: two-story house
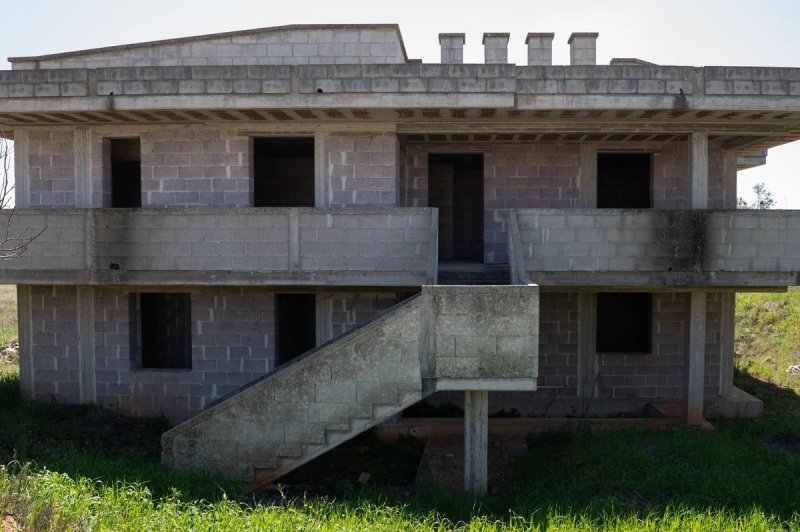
[[281, 237]]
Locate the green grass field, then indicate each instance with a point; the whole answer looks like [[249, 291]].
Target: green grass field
[[75, 467]]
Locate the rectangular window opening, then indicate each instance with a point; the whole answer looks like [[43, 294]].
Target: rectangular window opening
[[624, 322], [295, 325], [126, 173], [162, 330], [283, 172], [624, 181]]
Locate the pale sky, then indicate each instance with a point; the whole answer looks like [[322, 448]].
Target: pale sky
[[677, 32]]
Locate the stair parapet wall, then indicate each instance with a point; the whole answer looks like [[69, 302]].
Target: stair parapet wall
[[448, 337]]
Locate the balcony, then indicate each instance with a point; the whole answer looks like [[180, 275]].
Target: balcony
[[255, 246], [655, 248]]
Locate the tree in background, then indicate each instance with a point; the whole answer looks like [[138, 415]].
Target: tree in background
[[13, 241], [764, 199]]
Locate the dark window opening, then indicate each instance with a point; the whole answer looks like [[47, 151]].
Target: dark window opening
[[624, 322], [164, 335], [126, 173], [295, 325], [624, 181], [283, 172], [455, 187]]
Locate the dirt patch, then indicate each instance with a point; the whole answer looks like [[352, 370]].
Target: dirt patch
[[783, 443], [9, 353], [9, 524], [442, 463]]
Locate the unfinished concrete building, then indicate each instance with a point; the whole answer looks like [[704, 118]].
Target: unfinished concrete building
[[282, 237]]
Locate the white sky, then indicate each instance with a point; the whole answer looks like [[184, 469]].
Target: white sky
[[678, 32]]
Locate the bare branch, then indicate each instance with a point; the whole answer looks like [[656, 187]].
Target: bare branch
[[15, 241]]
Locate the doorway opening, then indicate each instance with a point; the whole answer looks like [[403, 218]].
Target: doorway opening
[[295, 325], [455, 187]]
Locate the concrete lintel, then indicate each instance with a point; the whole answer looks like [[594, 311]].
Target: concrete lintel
[[694, 358], [476, 441]]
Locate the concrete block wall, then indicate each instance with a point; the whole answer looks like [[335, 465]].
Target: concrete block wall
[[362, 169], [548, 175], [659, 374], [54, 350], [289, 45], [51, 168], [350, 309], [232, 343], [196, 167], [558, 345]]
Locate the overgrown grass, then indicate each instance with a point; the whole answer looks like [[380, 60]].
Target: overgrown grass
[[82, 468], [767, 343], [8, 314]]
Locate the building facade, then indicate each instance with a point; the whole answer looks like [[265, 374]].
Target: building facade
[[270, 235]]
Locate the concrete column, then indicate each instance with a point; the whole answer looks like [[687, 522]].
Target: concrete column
[[587, 344], [694, 358], [476, 441], [321, 186], [583, 49], [730, 174], [21, 177], [452, 45], [727, 334], [324, 307], [25, 317], [540, 49], [495, 48], [82, 146], [698, 170], [587, 191], [86, 355]]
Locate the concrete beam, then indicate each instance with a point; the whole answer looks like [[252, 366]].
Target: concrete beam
[[694, 358], [476, 441]]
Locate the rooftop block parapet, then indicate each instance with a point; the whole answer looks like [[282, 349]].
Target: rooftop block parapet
[[265, 246], [652, 248], [399, 78]]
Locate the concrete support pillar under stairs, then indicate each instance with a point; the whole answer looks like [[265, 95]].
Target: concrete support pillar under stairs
[[476, 441]]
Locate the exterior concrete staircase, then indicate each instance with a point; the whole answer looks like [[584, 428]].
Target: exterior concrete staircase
[[447, 337]]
